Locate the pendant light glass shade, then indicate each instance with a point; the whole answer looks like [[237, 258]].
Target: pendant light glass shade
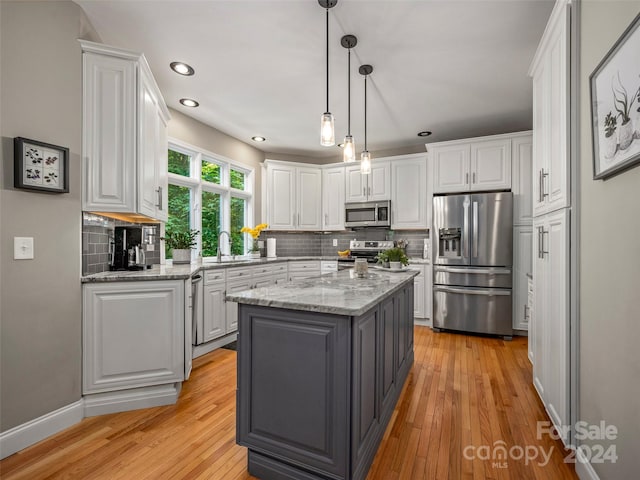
[[327, 136], [365, 163], [349, 152]]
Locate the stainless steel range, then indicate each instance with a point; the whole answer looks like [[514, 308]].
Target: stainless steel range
[[367, 249]]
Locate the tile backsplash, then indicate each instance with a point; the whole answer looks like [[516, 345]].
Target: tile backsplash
[[97, 234]]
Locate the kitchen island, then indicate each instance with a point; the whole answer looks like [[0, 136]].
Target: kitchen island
[[321, 364]]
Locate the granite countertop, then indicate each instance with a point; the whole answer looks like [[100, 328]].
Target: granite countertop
[[339, 293], [182, 272]]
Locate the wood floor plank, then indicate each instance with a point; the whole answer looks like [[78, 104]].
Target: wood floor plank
[[464, 392]]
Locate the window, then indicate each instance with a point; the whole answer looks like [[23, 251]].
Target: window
[[210, 194]]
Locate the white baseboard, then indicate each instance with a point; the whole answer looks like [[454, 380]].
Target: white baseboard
[[199, 350], [424, 322], [584, 469], [25, 435], [134, 399]]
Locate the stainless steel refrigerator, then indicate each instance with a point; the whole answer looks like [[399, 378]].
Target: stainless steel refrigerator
[[473, 255]]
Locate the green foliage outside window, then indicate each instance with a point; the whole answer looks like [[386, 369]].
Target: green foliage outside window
[[237, 179], [179, 163], [237, 222], [210, 172], [211, 213], [179, 212]]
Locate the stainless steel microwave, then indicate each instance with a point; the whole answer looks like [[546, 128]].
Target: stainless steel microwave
[[368, 214]]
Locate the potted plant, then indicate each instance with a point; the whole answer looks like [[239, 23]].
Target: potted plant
[[181, 244], [610, 140], [254, 250], [396, 258]]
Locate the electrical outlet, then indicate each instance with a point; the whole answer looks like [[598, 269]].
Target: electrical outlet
[[22, 248], [151, 247], [335, 242]]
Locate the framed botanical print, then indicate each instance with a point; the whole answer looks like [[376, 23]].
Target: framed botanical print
[[615, 106], [40, 166]]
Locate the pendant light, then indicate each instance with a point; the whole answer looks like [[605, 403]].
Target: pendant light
[[327, 130], [349, 149], [365, 158]]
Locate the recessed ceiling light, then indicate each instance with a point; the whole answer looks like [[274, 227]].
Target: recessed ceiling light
[[258, 138], [424, 133], [187, 102], [182, 68]]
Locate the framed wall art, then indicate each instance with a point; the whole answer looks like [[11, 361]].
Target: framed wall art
[[40, 166], [615, 106]]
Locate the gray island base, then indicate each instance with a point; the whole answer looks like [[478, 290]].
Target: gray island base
[[321, 364]]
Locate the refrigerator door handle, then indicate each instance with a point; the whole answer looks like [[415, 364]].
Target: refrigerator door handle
[[465, 231], [489, 271], [475, 229], [469, 291]]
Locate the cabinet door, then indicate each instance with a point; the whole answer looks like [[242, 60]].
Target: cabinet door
[[540, 333], [109, 134], [521, 182], [133, 334], [333, 198], [387, 351], [428, 292], [232, 307], [522, 245], [491, 165], [409, 194], [356, 184], [309, 195], [149, 193], [451, 168], [281, 205], [532, 319], [379, 181], [556, 316], [214, 313], [418, 292], [162, 167], [540, 146]]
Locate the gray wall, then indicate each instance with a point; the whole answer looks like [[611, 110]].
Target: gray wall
[[609, 379], [40, 311], [200, 135]]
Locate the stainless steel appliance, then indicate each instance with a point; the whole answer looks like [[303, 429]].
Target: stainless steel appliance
[[367, 214], [367, 249], [472, 259]]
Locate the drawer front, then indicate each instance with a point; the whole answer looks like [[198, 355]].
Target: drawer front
[[214, 276], [304, 266], [233, 273]]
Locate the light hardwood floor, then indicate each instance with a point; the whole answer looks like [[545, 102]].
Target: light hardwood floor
[[463, 393]]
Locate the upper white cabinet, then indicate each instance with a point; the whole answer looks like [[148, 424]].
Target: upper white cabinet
[[409, 193], [374, 186], [333, 198], [124, 146], [549, 70], [471, 165], [522, 156], [294, 196]]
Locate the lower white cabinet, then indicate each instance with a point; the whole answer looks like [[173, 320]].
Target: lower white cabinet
[[521, 266], [530, 301], [302, 269], [551, 320], [214, 312], [419, 294], [133, 334]]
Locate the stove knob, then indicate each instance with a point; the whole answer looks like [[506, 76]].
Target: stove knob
[[356, 244]]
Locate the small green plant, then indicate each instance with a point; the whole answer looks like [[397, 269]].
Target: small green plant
[[395, 254], [610, 123], [181, 240], [621, 103]]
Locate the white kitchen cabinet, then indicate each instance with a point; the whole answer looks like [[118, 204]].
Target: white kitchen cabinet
[[375, 186], [124, 147], [234, 286], [214, 311], [294, 197], [551, 314], [522, 244], [530, 302], [419, 293], [522, 157], [299, 270], [409, 193], [133, 334], [549, 69], [333, 198], [472, 165]]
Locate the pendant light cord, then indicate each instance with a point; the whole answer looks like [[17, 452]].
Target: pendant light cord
[[327, 110], [349, 93], [365, 112]]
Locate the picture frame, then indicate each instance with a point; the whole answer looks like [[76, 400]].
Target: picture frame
[[615, 106], [40, 166]]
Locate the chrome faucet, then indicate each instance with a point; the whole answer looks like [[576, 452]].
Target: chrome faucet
[[219, 254]]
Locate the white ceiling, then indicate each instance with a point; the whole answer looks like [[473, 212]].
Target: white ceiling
[[457, 68]]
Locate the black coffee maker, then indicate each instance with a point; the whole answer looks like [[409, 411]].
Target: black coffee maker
[[128, 253]]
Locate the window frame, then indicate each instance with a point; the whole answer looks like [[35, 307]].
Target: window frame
[[197, 185]]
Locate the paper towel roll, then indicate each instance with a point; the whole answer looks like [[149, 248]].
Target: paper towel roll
[[271, 248]]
